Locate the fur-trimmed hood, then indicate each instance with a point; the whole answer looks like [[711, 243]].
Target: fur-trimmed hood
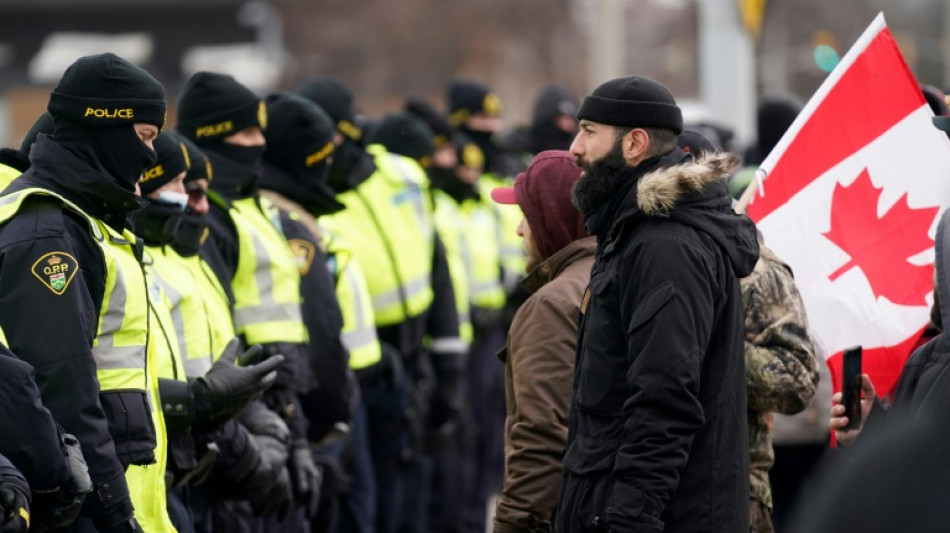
[[694, 193], [660, 190]]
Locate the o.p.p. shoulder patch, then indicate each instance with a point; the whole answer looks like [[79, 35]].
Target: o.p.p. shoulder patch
[[304, 253], [55, 270]]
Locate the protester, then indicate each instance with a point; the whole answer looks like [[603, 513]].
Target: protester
[[539, 354], [657, 435]]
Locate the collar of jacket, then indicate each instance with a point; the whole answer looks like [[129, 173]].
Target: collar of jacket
[[56, 169], [550, 268], [317, 198]]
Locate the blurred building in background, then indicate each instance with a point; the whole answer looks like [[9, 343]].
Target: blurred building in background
[[388, 50]]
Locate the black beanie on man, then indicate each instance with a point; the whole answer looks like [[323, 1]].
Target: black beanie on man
[[471, 97], [172, 160], [334, 97], [299, 147], [404, 134], [423, 110], [635, 102], [300, 135], [214, 106], [105, 90]]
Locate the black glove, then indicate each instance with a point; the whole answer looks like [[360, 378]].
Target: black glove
[[128, 526], [306, 477], [226, 389], [14, 502], [59, 507], [278, 500]]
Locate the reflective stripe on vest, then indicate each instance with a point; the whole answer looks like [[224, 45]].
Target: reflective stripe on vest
[[388, 224], [451, 229], [267, 283], [359, 329], [119, 348], [480, 252], [201, 317]]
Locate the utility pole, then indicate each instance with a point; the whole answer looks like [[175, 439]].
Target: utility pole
[[727, 67], [607, 42]]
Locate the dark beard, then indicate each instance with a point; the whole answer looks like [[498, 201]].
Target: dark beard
[[600, 181]]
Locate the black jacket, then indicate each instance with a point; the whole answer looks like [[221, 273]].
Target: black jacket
[[657, 428], [37, 453], [54, 333]]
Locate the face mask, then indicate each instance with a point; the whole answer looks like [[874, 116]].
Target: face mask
[[117, 151], [246, 156], [191, 234], [173, 198], [158, 223]]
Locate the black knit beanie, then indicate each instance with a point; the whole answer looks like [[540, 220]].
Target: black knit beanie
[[423, 110], [404, 134], [635, 102], [300, 135], [470, 97], [214, 106], [44, 124], [106, 90], [336, 99], [172, 160]]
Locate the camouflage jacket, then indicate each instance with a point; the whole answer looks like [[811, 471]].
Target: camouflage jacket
[[781, 365]]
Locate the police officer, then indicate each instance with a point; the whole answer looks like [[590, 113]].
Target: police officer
[[296, 164], [225, 119], [388, 221], [198, 390], [299, 150], [14, 499], [75, 303]]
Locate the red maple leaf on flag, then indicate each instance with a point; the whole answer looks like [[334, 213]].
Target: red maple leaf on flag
[[880, 247]]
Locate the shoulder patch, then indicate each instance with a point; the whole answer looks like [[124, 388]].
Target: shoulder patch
[[55, 271], [304, 252]]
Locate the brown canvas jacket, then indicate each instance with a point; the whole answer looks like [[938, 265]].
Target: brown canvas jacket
[[539, 371]]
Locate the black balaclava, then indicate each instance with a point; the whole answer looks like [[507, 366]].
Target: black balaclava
[[553, 101], [94, 108], [470, 97], [299, 149], [193, 229], [158, 223], [213, 107]]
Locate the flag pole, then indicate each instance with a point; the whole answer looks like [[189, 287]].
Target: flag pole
[[749, 192]]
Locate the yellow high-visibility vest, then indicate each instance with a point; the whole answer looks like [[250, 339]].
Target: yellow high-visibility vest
[[388, 223], [266, 283], [352, 293], [450, 224], [198, 308]]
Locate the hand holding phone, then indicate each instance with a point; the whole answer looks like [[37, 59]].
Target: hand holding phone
[[851, 387]]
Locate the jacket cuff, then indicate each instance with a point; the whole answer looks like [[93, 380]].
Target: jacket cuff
[[630, 509], [109, 505], [177, 405]]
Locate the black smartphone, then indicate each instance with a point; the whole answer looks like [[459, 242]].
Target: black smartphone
[[851, 386]]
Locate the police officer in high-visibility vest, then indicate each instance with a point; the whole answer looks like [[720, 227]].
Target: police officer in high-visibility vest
[[299, 149], [75, 304], [405, 134], [496, 258], [197, 390], [388, 223], [225, 120], [50, 463]]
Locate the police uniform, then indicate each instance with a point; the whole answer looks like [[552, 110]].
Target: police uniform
[[75, 301]]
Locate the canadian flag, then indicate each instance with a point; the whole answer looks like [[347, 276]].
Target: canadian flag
[[850, 197]]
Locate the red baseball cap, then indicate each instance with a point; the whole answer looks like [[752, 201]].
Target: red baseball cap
[[504, 195]]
